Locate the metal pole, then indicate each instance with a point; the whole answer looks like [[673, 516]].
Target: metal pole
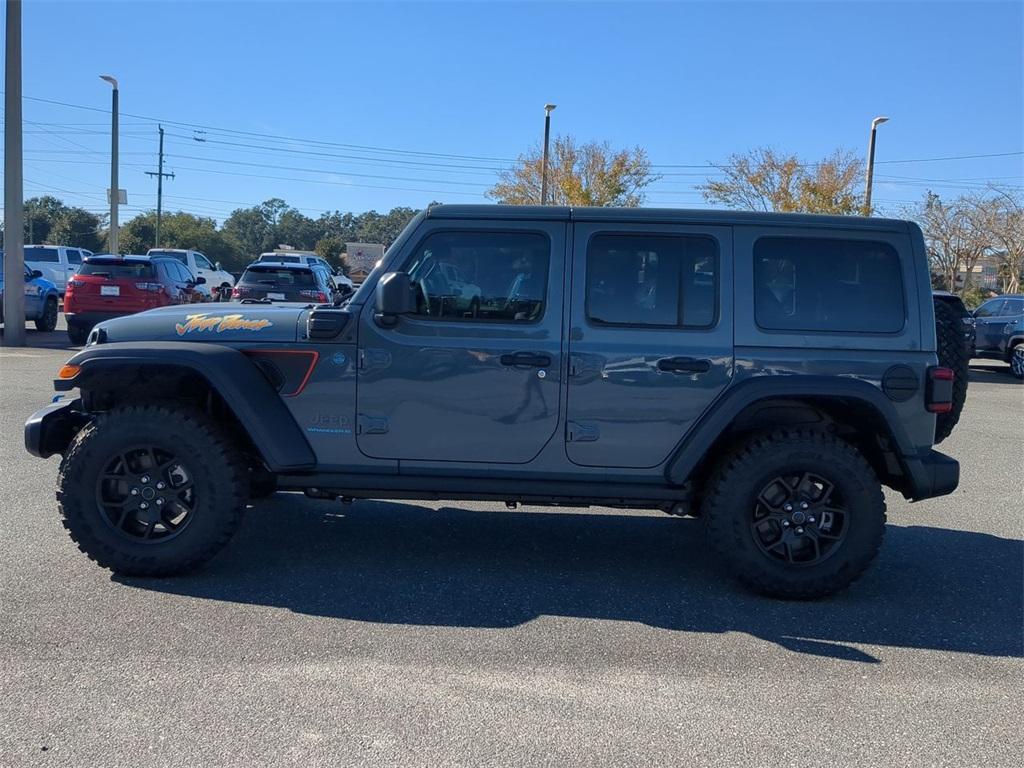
[[114, 189], [548, 108], [871, 163], [14, 213], [871, 171], [159, 186]]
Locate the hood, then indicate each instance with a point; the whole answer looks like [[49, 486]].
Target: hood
[[217, 322]]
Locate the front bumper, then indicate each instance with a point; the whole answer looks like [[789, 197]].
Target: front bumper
[[50, 429], [931, 474]]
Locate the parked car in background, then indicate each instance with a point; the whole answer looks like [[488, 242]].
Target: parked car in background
[[341, 282], [112, 286], [218, 282], [284, 281], [56, 263], [42, 299], [991, 319]]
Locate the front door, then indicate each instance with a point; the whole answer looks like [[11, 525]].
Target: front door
[[651, 338], [989, 324], [473, 374]]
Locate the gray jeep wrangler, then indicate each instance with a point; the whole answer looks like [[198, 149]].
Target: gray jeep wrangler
[[766, 373]]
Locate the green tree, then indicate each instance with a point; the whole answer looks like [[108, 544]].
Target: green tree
[[78, 227], [40, 215], [764, 180], [182, 230], [578, 174], [248, 228]]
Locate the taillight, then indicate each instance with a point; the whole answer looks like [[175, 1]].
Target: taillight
[[75, 284], [318, 295], [939, 393], [151, 287]]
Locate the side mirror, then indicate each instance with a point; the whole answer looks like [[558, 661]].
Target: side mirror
[[201, 280], [217, 266], [35, 273], [394, 297]]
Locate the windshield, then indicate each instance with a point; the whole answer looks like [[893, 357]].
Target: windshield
[[49, 255], [182, 257], [276, 276], [117, 268]]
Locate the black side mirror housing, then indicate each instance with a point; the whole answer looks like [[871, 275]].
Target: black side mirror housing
[[35, 273], [200, 280], [394, 297]]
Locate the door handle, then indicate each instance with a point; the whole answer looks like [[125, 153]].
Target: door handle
[[526, 359], [684, 365]]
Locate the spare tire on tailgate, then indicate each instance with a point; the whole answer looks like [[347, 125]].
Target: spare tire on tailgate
[[951, 347]]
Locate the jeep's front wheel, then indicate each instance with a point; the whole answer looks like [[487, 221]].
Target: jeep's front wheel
[[795, 514], [151, 490]]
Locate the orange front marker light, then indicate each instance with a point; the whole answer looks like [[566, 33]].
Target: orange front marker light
[[68, 372]]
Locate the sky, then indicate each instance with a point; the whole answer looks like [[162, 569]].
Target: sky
[[358, 106]]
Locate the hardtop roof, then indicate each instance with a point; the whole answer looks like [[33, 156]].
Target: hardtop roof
[[661, 215]]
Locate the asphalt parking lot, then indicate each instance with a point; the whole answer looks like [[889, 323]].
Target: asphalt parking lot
[[443, 634]]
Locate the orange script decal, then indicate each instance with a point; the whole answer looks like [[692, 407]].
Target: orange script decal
[[219, 323]]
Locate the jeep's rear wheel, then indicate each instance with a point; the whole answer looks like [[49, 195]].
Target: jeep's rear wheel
[[952, 352], [795, 514], [151, 490]]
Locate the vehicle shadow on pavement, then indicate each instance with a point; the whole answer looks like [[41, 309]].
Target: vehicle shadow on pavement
[[931, 588], [989, 372]]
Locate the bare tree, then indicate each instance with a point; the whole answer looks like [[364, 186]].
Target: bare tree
[[764, 180], [958, 234], [1008, 235], [578, 174]]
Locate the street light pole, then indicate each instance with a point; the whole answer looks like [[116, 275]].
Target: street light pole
[[14, 212], [114, 191], [871, 163], [548, 109]]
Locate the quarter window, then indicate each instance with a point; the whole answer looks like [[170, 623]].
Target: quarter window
[[824, 284], [488, 276], [652, 280]]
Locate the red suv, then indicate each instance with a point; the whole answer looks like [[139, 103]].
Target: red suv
[[111, 286]]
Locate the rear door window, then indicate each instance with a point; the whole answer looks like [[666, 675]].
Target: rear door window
[[666, 281], [1012, 307], [830, 285], [47, 255], [74, 256]]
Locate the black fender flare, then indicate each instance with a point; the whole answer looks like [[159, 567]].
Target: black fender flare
[[736, 398], [245, 390]]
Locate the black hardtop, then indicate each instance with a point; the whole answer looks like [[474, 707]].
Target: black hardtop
[[662, 216]]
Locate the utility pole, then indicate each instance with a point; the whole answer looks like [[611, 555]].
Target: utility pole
[[548, 109], [14, 212], [871, 163], [159, 173], [115, 193]]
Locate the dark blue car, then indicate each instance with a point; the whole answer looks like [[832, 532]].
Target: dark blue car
[[41, 298]]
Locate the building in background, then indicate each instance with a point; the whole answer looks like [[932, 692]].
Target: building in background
[[362, 258]]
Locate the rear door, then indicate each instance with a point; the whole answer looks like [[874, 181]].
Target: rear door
[[650, 340], [468, 380]]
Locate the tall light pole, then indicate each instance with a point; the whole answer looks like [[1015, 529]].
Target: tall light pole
[[14, 213], [548, 109], [114, 191], [871, 163]]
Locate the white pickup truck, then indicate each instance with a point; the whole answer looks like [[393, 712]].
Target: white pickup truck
[[218, 282], [58, 263]]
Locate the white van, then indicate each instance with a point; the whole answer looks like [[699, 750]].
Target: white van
[[57, 262], [218, 282]]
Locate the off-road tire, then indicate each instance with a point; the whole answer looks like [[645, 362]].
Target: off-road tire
[[732, 493], [220, 480], [1017, 361], [48, 320], [77, 334], [952, 353]]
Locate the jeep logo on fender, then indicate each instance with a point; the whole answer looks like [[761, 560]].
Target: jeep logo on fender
[[219, 323]]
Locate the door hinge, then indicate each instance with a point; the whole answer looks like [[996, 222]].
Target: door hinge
[[371, 425], [581, 433]]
